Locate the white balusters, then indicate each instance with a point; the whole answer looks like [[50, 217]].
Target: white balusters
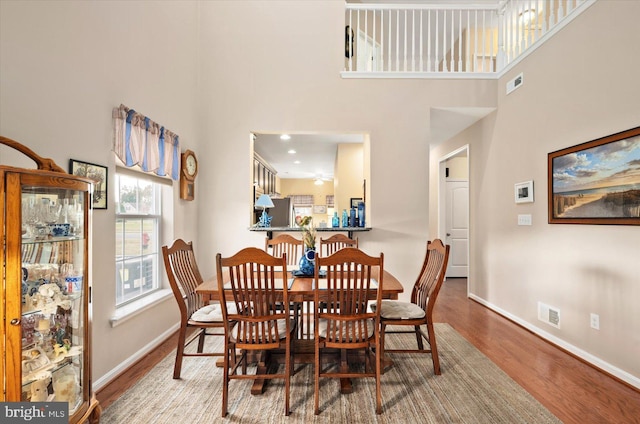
[[448, 38]]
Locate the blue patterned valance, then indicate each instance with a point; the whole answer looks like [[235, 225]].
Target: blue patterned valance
[[140, 141]]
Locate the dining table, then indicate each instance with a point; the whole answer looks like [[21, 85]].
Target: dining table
[[301, 293]]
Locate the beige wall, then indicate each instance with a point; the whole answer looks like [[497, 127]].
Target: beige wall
[[458, 168], [349, 175], [580, 269], [64, 67], [292, 186]]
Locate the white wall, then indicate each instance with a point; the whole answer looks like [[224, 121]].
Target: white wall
[[566, 99], [63, 66], [279, 71]]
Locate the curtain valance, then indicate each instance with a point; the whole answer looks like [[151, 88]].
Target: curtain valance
[[140, 141]]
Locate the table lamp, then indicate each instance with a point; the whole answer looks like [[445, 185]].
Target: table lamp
[[264, 201]]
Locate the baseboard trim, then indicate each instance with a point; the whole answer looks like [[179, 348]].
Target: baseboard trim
[[575, 351], [123, 366]]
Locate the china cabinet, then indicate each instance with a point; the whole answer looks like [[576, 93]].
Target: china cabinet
[[46, 291]]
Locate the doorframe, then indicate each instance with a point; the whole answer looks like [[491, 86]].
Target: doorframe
[[442, 204]]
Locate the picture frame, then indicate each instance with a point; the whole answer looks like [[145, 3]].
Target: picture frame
[[353, 202], [99, 174], [597, 182], [524, 192]]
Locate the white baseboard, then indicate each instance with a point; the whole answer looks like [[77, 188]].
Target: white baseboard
[[586, 356], [105, 379]]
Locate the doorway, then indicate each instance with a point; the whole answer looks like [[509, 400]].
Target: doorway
[[453, 201]]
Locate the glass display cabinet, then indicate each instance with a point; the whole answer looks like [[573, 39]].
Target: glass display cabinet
[[46, 294]]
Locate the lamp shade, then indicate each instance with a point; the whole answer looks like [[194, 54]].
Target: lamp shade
[[264, 201]]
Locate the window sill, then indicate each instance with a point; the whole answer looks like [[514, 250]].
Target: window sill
[[132, 309]]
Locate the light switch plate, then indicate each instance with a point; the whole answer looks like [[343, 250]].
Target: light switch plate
[[524, 219]]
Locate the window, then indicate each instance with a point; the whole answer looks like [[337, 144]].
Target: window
[[138, 229]]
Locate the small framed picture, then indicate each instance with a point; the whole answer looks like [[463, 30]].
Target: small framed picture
[[354, 202], [524, 192], [97, 173]]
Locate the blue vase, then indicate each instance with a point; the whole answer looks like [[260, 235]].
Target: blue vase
[[307, 265]]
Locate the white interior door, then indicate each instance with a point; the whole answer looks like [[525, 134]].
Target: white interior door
[[457, 227]]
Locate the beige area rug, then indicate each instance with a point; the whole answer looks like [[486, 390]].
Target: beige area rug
[[471, 389]]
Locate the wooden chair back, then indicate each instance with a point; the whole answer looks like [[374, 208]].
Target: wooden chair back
[[285, 244], [427, 286], [336, 242], [352, 281], [255, 283], [184, 276]]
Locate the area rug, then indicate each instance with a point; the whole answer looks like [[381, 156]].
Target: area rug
[[471, 389]]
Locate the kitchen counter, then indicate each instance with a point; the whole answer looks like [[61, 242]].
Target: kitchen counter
[[271, 230]]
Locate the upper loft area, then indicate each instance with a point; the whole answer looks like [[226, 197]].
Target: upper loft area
[[479, 39]]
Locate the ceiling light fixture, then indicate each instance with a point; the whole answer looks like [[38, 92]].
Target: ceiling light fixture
[[291, 152], [285, 137], [318, 181]]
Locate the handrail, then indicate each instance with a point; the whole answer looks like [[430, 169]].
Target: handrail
[[449, 40]]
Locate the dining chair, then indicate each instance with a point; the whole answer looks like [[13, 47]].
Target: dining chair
[[336, 242], [255, 282], [342, 318], [419, 311], [184, 276], [285, 243]]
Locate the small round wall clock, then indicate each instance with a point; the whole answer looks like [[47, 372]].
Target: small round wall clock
[[189, 170]]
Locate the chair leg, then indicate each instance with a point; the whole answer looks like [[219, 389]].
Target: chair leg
[[434, 348], [383, 327], [419, 337], [316, 380], [287, 379], [182, 335], [379, 351], [225, 378], [203, 334]]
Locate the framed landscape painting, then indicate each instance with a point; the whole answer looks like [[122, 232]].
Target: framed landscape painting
[[597, 182]]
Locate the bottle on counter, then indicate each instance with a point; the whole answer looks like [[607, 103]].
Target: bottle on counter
[[361, 214], [345, 218], [335, 221], [352, 218]]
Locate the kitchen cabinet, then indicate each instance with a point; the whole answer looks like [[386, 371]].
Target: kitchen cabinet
[[46, 291]]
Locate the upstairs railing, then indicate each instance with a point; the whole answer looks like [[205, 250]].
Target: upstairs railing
[[447, 40]]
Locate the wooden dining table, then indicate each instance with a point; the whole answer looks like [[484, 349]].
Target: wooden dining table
[[301, 291]]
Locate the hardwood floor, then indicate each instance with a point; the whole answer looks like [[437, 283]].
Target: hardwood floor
[[572, 390]]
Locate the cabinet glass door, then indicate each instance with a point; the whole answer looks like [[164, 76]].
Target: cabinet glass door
[[53, 250]]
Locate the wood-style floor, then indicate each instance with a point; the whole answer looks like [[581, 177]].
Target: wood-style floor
[[572, 390]]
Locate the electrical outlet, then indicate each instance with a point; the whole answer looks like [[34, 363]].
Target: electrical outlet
[[595, 321]]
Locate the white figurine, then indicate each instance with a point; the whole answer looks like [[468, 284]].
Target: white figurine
[[39, 391]]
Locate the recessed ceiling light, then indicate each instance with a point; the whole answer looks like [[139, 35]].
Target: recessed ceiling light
[[291, 152], [285, 137], [297, 162]]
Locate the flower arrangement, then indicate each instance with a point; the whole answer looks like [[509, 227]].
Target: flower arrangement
[[308, 232]]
